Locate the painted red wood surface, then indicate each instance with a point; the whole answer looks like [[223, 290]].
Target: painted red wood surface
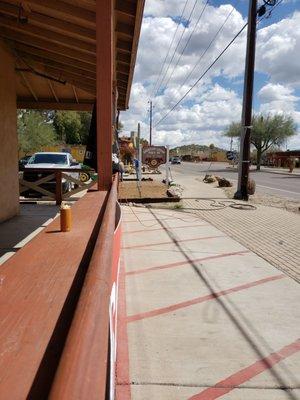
[[83, 368], [38, 287]]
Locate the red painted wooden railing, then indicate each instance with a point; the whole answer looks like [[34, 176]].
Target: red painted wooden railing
[[83, 369]]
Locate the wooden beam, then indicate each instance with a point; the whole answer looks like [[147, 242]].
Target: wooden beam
[[137, 29], [62, 59], [122, 84], [126, 7], [105, 40], [54, 24], [49, 104], [46, 45], [125, 29], [64, 78], [122, 45], [125, 69], [62, 67], [122, 77], [68, 76], [75, 94], [123, 58], [53, 91], [29, 87], [61, 10], [13, 25]]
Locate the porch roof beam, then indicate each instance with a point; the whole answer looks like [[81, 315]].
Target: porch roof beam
[[57, 25], [51, 56], [59, 66], [61, 10], [45, 104], [13, 25], [44, 44]]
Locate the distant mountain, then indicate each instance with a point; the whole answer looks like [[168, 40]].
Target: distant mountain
[[194, 149]]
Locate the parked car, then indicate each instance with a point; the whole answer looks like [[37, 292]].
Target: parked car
[[175, 160], [50, 160], [23, 161]]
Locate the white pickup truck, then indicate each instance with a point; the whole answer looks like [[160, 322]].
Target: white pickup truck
[[50, 160]]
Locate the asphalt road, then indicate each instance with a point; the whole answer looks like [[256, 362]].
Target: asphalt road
[[287, 186]]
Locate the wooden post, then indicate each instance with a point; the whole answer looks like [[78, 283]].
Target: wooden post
[[104, 37], [58, 188]]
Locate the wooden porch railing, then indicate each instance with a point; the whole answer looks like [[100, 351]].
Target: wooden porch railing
[[55, 307], [82, 372], [57, 175]]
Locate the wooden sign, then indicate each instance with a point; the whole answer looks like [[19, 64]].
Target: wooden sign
[[154, 156]]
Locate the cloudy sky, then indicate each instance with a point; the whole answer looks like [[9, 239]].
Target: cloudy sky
[[217, 99]]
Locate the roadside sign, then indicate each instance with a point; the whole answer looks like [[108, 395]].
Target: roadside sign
[[231, 155], [154, 156]]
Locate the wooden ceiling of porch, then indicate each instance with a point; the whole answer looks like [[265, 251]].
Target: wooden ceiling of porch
[[54, 45]]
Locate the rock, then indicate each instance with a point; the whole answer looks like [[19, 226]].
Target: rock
[[224, 182], [251, 186], [174, 191], [209, 178]]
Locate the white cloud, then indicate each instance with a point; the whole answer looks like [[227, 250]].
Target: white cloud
[[278, 49], [276, 98], [210, 107]]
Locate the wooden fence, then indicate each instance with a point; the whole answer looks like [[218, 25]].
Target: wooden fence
[[56, 175]]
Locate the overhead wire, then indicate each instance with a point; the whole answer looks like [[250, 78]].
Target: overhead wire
[[202, 75], [209, 45], [170, 46], [214, 62], [187, 43], [176, 48]]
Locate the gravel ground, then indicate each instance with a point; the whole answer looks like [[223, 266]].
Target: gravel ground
[[268, 200], [147, 189]]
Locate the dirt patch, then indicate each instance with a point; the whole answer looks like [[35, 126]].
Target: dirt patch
[[132, 190], [268, 200]]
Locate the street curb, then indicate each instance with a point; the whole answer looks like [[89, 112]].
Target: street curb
[[268, 171]]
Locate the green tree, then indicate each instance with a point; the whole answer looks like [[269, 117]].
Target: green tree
[[34, 131], [85, 118], [67, 125], [267, 131], [72, 127]]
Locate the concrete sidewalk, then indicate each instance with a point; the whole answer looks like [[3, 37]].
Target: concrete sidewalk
[[201, 316], [272, 233]]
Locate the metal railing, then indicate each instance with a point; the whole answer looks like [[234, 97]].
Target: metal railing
[[83, 369]]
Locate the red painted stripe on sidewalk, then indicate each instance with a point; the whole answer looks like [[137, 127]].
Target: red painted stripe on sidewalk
[[148, 220], [123, 389], [182, 263], [202, 299], [169, 228], [171, 242], [247, 373]]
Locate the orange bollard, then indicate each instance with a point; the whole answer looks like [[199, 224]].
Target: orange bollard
[[65, 218]]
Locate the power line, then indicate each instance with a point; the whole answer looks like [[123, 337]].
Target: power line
[[168, 52], [208, 47], [186, 45], [270, 12], [174, 52], [214, 62], [204, 73]]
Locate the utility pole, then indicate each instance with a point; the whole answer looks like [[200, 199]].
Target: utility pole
[[150, 137], [244, 159], [139, 149]]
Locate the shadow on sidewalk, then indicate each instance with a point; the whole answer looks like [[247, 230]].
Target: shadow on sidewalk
[[261, 343]]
